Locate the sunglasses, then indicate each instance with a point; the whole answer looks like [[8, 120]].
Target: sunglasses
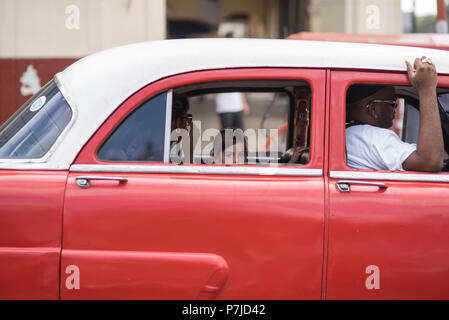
[[188, 118], [393, 103]]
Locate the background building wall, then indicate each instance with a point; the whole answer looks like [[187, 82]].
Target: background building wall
[[327, 15], [51, 28], [262, 14], [39, 38], [356, 16]]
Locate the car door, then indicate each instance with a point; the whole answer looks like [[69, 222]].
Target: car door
[[388, 234], [155, 230]]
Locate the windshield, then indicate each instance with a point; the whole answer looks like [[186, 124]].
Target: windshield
[[34, 128]]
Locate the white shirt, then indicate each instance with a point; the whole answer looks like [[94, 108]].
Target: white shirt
[[370, 147], [229, 102]]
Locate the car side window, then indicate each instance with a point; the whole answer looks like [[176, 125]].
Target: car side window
[[409, 122], [405, 124], [140, 137], [218, 123], [244, 123], [409, 118]]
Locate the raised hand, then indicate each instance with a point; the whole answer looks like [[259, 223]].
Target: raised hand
[[423, 75]]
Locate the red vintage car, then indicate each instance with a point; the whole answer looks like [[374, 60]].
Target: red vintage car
[[83, 215]]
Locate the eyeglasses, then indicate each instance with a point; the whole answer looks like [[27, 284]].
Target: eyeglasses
[[393, 103], [187, 118]]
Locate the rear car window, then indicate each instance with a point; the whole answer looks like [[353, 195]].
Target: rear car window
[[34, 128], [140, 137], [209, 125]]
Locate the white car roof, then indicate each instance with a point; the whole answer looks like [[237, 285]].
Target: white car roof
[[97, 84]]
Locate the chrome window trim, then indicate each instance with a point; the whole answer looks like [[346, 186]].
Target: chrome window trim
[[261, 171], [168, 110], [391, 176]]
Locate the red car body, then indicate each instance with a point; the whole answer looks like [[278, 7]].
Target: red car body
[[193, 234]]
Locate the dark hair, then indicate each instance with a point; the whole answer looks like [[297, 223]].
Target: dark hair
[[180, 105], [360, 91]]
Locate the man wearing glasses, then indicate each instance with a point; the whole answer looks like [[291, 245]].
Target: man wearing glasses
[[370, 112]]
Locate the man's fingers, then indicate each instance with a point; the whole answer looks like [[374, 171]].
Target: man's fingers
[[409, 68], [422, 74], [416, 62]]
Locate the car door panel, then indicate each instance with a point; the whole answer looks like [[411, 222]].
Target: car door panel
[[146, 275], [171, 216], [405, 238]]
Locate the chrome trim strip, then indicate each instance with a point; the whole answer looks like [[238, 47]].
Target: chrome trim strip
[[393, 176], [262, 171], [168, 125]]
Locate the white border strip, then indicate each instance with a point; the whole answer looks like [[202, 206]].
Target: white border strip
[[168, 107], [262, 171], [389, 176]]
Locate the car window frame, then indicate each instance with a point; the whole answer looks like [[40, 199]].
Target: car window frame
[[313, 76], [341, 80], [168, 101]]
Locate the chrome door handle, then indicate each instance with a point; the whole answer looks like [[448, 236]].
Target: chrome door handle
[[84, 181], [345, 185]]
